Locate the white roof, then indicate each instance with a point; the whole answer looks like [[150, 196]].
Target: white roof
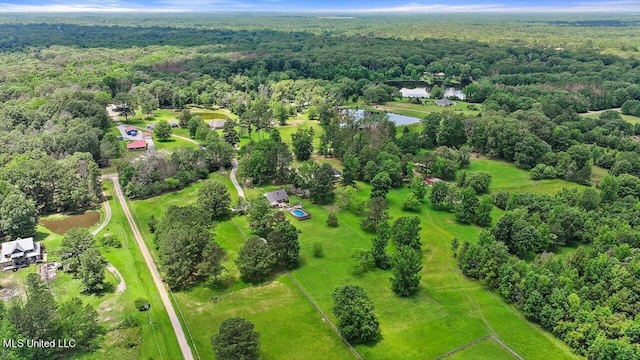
[[19, 246]]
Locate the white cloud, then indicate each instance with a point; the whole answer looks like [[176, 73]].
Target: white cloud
[[75, 8], [603, 6]]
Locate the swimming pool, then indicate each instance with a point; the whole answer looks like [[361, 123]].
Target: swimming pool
[[300, 214]]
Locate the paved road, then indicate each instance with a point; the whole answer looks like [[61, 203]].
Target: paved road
[[164, 295], [232, 175]]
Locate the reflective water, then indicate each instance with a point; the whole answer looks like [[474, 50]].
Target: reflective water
[[61, 226], [396, 118]]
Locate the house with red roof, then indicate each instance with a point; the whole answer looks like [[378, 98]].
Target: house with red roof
[[431, 180], [137, 145]]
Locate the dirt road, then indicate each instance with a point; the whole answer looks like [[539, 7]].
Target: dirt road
[[164, 295]]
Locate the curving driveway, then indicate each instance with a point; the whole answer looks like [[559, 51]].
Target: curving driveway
[[232, 175], [122, 286]]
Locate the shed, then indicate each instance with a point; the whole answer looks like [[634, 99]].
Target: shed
[[131, 131], [174, 124]]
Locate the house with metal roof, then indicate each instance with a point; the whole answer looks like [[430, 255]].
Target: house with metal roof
[[20, 253]]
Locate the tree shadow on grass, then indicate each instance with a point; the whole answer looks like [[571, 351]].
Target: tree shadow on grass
[[108, 288]]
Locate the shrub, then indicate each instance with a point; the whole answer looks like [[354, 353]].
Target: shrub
[[128, 322], [412, 204], [332, 220], [142, 304], [111, 240], [317, 250]]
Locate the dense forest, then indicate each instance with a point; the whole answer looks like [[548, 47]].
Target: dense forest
[[58, 78]]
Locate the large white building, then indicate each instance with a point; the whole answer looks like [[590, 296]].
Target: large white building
[[20, 253]]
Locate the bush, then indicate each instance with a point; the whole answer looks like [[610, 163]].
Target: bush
[[317, 250], [111, 240], [332, 220], [128, 322], [412, 204], [500, 200], [479, 181], [542, 171], [142, 304]]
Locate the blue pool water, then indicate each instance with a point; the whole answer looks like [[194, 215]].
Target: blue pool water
[[299, 213]]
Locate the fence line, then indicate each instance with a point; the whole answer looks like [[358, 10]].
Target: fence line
[[325, 317]]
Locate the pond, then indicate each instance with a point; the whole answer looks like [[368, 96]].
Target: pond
[[61, 226], [396, 118], [212, 116]]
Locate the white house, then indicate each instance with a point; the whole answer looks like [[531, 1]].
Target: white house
[[20, 253]]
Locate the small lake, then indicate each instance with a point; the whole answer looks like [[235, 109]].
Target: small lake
[[421, 92], [211, 116], [61, 226], [396, 118]]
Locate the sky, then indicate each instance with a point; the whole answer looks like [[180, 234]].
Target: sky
[[369, 6]]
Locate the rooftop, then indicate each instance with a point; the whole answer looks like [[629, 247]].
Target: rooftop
[[138, 144]]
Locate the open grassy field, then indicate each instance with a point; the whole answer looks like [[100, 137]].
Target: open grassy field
[[418, 110], [628, 118], [507, 177], [484, 350], [448, 311]]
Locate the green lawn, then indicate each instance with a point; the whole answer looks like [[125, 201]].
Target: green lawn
[[507, 177], [158, 338], [421, 111], [485, 350], [629, 118], [448, 311]]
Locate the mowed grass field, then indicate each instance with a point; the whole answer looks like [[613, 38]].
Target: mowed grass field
[[418, 110], [448, 311]]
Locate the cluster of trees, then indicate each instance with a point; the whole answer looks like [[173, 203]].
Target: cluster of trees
[[317, 180], [185, 245], [153, 175], [274, 245], [69, 184], [81, 258], [588, 299], [41, 317], [462, 201], [266, 159]]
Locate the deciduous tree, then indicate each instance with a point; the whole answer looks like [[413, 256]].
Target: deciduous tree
[[214, 200], [162, 131], [18, 215], [407, 264], [255, 259], [357, 320], [236, 339]]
